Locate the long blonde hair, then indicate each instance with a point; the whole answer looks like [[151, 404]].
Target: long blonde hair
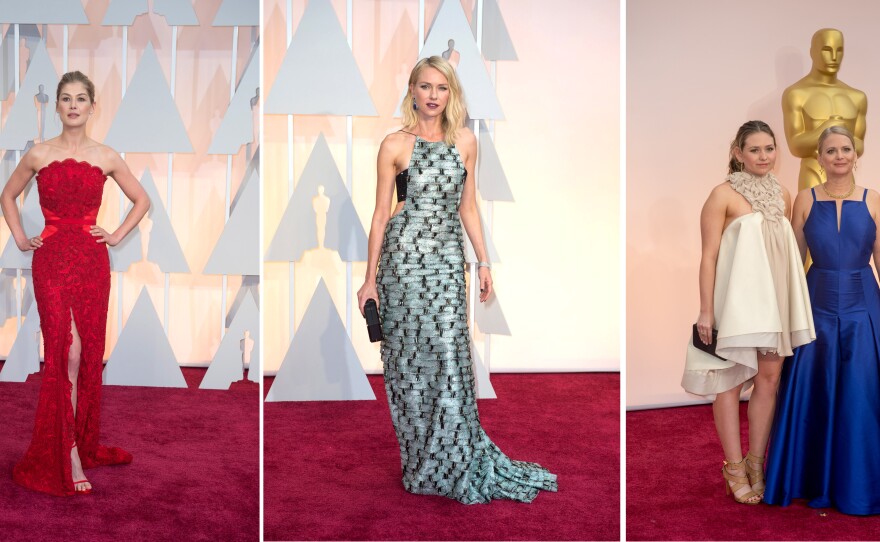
[[453, 115]]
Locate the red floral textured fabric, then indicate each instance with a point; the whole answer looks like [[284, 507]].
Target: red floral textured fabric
[[71, 274]]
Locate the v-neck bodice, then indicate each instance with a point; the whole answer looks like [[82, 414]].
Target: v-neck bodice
[[848, 247]]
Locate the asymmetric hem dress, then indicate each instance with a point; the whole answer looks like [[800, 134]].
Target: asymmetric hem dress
[[71, 275], [426, 350], [761, 298], [826, 436]]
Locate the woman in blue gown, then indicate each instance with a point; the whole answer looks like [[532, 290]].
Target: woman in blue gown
[[826, 435]]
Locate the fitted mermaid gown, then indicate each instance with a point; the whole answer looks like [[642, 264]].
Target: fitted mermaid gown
[[71, 273], [426, 350], [826, 435]]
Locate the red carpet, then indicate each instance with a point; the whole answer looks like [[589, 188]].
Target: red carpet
[[332, 468], [195, 474], [674, 489]]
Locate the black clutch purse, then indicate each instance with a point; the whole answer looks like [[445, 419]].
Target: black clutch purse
[[707, 348], [374, 327]]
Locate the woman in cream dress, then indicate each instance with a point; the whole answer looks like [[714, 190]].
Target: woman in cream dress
[[753, 292]]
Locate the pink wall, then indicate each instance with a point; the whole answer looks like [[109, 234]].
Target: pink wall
[[695, 72]]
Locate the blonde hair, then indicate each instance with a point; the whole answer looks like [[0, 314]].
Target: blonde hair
[[839, 130], [453, 115]]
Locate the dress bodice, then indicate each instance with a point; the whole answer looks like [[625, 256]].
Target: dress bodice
[[849, 248], [435, 176], [70, 190]]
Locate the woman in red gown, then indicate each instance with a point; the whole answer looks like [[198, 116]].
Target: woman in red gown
[[71, 277]]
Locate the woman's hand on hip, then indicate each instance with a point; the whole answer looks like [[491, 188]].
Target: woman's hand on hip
[[103, 236], [30, 244], [367, 291]]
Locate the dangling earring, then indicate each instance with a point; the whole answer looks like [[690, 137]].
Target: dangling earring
[[415, 105], [742, 166]]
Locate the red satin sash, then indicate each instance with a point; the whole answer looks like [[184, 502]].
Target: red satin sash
[[53, 222]]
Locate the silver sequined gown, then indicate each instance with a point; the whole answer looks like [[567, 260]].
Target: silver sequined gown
[[426, 353]]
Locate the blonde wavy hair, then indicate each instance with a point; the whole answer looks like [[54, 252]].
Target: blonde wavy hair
[[453, 115]]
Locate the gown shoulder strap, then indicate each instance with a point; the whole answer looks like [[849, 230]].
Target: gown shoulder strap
[[813, 190], [865, 195]]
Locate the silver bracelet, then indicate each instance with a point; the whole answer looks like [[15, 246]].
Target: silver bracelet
[[484, 264]]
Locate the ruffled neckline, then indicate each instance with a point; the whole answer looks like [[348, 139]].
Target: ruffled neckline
[[763, 193], [72, 161]]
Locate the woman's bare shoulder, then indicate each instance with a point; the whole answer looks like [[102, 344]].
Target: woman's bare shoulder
[[722, 190], [397, 139]]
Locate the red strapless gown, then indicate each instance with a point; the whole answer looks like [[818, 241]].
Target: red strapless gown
[[71, 272]]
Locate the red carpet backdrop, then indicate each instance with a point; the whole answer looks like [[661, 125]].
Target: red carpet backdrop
[[194, 476], [674, 489], [332, 468]]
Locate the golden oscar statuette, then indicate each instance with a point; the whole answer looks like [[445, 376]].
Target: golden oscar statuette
[[820, 100]]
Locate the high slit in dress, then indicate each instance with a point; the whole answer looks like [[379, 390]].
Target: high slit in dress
[[71, 275]]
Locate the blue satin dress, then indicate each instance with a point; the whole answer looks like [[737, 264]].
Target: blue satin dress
[[825, 442]]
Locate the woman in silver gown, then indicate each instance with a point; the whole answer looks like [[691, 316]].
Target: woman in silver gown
[[416, 273]]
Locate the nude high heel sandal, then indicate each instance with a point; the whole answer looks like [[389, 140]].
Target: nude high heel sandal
[[739, 482], [755, 473]]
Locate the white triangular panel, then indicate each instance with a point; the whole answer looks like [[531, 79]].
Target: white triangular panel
[[24, 357], [321, 363], [237, 252], [33, 223], [43, 12], [481, 376], [7, 166], [237, 127], [22, 122], [163, 248], [255, 369], [28, 298], [496, 44], [147, 119], [123, 12], [493, 181], [176, 13], [143, 355], [227, 365], [238, 13], [318, 75], [253, 168], [451, 23], [250, 285], [469, 253], [8, 295], [490, 318], [128, 251], [7, 64], [298, 230]]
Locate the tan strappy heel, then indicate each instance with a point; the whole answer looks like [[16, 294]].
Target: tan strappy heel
[[739, 482], [755, 473]]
